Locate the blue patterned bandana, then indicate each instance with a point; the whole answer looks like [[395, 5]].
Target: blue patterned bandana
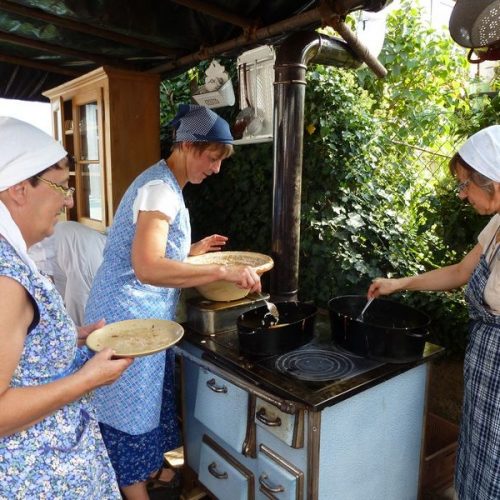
[[195, 123]]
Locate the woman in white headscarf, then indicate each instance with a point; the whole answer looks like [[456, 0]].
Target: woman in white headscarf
[[476, 166], [50, 444]]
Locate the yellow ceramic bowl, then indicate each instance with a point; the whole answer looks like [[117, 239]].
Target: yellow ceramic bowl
[[224, 291]]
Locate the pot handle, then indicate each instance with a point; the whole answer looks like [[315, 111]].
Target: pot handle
[[418, 335]]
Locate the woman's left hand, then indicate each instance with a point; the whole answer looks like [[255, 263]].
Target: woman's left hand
[[86, 330], [212, 243]]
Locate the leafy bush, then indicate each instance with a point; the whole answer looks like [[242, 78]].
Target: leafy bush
[[368, 209]]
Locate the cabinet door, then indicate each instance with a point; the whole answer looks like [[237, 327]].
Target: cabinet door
[[62, 130], [222, 474], [222, 407], [278, 478], [90, 172]]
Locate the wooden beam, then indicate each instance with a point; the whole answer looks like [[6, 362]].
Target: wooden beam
[[314, 17], [57, 49], [20, 61], [87, 28], [216, 12]]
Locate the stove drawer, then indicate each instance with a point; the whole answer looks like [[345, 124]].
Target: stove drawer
[[222, 407], [222, 474], [278, 478], [287, 427]]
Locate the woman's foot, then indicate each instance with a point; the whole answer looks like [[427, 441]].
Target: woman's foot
[[163, 478]]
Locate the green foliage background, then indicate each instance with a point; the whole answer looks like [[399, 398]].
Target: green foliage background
[[367, 211]]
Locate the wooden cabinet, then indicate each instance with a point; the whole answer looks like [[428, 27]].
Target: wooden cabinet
[[109, 122]]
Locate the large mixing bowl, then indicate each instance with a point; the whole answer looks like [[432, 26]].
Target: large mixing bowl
[[225, 291]]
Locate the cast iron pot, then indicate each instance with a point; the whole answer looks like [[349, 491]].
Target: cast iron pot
[[388, 331], [295, 328]]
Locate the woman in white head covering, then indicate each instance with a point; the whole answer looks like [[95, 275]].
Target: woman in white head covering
[[50, 444], [476, 166]]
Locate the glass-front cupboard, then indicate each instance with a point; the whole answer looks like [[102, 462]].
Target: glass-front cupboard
[[109, 122]]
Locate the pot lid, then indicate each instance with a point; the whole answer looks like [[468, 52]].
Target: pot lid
[[476, 23]]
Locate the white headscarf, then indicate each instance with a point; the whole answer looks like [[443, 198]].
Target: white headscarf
[[24, 152], [482, 152]]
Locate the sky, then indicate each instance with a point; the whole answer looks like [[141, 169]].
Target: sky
[[36, 113]]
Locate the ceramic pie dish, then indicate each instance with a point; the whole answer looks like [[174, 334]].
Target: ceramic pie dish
[[225, 291], [136, 337]]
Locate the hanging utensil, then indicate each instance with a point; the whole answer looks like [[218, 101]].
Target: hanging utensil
[[247, 114], [367, 305]]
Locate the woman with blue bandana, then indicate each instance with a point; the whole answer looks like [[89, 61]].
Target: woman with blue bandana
[[141, 277]]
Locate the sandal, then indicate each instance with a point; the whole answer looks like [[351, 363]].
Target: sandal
[[154, 482]]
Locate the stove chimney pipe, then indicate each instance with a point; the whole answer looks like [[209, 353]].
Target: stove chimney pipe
[[292, 58]]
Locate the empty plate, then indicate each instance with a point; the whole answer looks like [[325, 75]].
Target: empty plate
[[136, 337]]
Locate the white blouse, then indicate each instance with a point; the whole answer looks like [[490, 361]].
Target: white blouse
[[492, 289], [156, 196]]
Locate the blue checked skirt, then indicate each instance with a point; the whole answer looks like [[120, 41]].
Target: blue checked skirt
[[477, 474]]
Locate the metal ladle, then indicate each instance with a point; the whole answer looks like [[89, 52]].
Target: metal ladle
[[272, 317], [361, 314]]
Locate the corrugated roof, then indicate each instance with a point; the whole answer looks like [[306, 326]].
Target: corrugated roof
[[46, 42]]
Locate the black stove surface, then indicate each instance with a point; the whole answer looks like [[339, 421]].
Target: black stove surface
[[317, 374], [317, 362]]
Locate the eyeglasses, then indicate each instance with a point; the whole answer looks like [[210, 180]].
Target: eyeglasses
[[462, 186], [66, 192]]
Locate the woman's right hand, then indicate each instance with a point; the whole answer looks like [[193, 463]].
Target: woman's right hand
[[244, 277], [383, 286], [102, 369]]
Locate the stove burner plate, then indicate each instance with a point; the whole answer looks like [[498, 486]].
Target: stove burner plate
[[315, 365]]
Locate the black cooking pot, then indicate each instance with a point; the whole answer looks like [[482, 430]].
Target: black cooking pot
[[294, 328], [388, 331]]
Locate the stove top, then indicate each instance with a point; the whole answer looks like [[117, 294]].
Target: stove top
[[321, 363], [317, 375]]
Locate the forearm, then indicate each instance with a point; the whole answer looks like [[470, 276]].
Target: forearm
[[175, 274], [22, 407], [446, 278]]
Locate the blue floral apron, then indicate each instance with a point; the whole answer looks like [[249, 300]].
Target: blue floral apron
[[478, 462], [62, 455]]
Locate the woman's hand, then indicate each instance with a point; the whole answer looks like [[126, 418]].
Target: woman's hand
[[383, 286], [86, 330], [212, 243], [244, 277], [102, 369]]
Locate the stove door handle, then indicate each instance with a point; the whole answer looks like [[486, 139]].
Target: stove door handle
[[266, 487], [212, 468], [261, 415], [212, 385]]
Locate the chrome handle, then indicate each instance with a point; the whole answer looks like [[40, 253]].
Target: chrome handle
[[261, 415], [212, 468], [418, 335], [267, 487], [212, 385]]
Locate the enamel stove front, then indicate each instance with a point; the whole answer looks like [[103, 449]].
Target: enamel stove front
[[314, 423]]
